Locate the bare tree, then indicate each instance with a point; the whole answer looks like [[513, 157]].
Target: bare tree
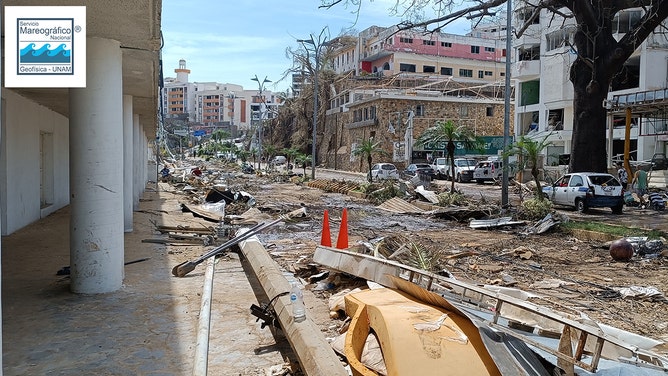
[[600, 56]]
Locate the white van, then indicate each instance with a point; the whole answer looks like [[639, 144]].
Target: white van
[[489, 170]]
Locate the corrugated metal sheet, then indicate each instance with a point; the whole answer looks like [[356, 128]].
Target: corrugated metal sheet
[[397, 205]]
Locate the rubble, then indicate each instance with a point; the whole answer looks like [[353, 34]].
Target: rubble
[[587, 276]]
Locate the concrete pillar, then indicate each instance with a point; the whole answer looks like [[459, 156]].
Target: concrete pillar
[[136, 170], [96, 172], [128, 152]]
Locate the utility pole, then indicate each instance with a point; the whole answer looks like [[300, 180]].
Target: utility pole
[[262, 111], [506, 112]]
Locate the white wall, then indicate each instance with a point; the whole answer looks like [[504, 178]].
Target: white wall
[[653, 66], [24, 120]]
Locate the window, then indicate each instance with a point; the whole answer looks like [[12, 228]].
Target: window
[[406, 40], [576, 181], [406, 67], [386, 66], [559, 38], [419, 110], [428, 69], [502, 74], [489, 73], [446, 44], [481, 74], [466, 73], [446, 71], [475, 49], [428, 42], [489, 111], [489, 49], [464, 111]]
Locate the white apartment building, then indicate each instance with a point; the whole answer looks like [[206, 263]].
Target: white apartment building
[[542, 58], [212, 105]]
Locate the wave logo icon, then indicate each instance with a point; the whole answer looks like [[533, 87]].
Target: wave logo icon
[[44, 54]]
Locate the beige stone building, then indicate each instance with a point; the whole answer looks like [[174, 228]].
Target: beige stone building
[[384, 114]]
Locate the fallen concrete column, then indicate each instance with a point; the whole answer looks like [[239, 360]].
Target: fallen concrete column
[[315, 354]]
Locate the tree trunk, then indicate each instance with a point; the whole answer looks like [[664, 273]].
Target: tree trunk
[[450, 147], [588, 152]]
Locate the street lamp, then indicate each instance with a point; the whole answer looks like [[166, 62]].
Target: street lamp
[[262, 106], [316, 46]]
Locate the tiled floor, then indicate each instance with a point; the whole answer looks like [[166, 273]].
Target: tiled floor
[[148, 327]]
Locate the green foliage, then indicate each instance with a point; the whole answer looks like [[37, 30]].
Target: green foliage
[[303, 160], [528, 152], [449, 132], [451, 198], [366, 150], [534, 209], [378, 193]]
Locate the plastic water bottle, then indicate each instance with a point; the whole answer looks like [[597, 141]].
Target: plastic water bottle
[[297, 301]]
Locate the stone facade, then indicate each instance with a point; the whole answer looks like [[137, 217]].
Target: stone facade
[[385, 118]]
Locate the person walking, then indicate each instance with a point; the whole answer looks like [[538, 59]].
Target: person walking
[[622, 175], [640, 182]]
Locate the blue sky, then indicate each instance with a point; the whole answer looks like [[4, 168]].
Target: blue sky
[[231, 41]]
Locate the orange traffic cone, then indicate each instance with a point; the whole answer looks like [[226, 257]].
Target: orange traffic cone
[[342, 241], [325, 238]]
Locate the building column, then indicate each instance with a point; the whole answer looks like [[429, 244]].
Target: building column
[[96, 172], [136, 166], [128, 151]]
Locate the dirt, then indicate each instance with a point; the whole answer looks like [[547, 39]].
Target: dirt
[[581, 273]]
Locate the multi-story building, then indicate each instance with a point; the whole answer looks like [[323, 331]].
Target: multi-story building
[[544, 93], [386, 52], [398, 117], [210, 106], [403, 82], [179, 94]]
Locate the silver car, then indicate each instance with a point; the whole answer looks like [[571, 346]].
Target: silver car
[[381, 171], [584, 190]]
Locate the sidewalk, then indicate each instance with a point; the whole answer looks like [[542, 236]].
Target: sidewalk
[[148, 327]]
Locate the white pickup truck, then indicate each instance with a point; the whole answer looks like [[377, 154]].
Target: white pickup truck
[[463, 168]]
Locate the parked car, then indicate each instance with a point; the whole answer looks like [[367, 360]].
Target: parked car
[[464, 168], [381, 171], [489, 170], [440, 166], [279, 160], [418, 168], [584, 190]]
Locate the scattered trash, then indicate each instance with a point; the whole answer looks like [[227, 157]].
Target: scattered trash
[[543, 225], [649, 293], [550, 284], [496, 222]]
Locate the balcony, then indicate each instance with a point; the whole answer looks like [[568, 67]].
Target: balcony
[[526, 69]]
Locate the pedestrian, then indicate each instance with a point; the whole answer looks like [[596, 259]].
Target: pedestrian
[[640, 182], [622, 175]]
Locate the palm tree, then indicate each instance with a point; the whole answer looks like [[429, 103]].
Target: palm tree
[[290, 155], [303, 160], [448, 131], [366, 149], [528, 151]]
